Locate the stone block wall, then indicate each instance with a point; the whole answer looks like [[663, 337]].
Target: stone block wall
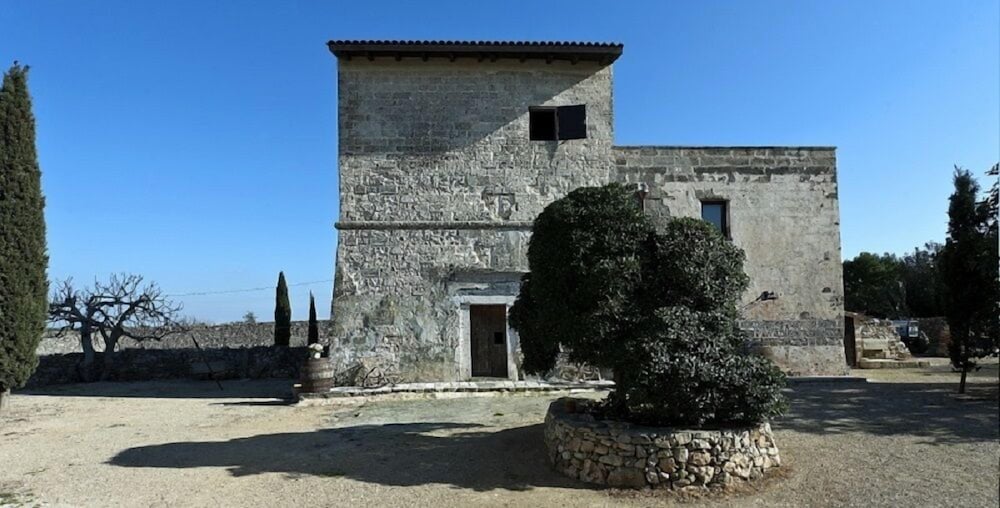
[[783, 212], [448, 141], [619, 454]]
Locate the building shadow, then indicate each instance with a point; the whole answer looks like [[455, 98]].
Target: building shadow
[[462, 455], [930, 411]]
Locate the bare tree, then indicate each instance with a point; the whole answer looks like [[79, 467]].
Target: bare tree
[[126, 306]]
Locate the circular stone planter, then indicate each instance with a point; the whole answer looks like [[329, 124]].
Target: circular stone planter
[[620, 454]]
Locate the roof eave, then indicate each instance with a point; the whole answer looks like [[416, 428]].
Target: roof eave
[[603, 54]]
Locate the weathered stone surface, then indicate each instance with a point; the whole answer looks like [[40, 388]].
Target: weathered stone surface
[[626, 477], [611, 460], [668, 465], [681, 455], [700, 458]]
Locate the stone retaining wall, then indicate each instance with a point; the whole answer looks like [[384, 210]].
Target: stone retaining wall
[[619, 454], [226, 335], [261, 362]]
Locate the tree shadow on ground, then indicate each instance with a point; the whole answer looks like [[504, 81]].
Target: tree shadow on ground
[[925, 410], [463, 455]]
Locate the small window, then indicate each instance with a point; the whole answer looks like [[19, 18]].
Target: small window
[[557, 123], [717, 213], [543, 124]]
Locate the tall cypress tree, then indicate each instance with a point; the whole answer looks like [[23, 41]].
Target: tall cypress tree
[[313, 323], [282, 313], [969, 269], [23, 259]]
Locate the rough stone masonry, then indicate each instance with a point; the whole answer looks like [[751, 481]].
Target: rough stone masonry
[[449, 150]]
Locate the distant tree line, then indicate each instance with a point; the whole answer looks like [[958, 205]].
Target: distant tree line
[[888, 286]]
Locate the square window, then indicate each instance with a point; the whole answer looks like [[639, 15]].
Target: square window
[[717, 213], [542, 124]]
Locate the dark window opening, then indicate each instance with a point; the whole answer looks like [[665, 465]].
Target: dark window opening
[[717, 213], [543, 124], [557, 123]]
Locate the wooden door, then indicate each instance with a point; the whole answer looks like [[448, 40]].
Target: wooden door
[[488, 330]]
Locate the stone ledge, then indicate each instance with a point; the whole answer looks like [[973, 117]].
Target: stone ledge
[[458, 387], [620, 454]]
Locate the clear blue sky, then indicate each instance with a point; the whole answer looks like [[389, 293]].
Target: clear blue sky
[[194, 142]]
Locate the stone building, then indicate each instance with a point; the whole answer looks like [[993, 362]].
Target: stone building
[[449, 150]]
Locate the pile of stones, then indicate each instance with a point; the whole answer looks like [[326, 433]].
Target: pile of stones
[[620, 454]]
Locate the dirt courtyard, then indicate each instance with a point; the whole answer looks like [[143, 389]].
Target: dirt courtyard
[[903, 439]]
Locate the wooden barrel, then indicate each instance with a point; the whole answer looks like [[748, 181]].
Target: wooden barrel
[[317, 375]]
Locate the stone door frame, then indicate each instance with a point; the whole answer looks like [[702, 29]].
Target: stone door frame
[[463, 353]]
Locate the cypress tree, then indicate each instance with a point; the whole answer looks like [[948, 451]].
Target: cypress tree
[[969, 269], [23, 259], [313, 324], [282, 313]]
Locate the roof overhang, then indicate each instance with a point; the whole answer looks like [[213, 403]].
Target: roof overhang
[[598, 52]]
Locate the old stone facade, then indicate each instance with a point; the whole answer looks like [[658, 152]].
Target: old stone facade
[[440, 179]]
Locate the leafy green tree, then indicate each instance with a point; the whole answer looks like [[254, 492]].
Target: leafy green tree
[[658, 309], [969, 269], [922, 281], [23, 258], [282, 314], [313, 323], [873, 285]]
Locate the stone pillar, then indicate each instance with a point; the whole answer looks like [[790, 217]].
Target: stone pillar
[[4, 400]]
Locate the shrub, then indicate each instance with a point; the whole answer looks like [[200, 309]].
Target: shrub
[[585, 262], [659, 309]]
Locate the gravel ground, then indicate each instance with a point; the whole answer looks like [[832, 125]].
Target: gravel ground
[[903, 440]]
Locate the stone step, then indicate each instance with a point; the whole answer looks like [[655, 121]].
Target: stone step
[[867, 363], [458, 387]]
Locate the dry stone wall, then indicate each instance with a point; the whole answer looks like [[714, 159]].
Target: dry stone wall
[[619, 454], [227, 335], [234, 350]]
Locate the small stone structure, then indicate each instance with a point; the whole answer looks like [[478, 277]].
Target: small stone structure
[[878, 345], [620, 454]]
